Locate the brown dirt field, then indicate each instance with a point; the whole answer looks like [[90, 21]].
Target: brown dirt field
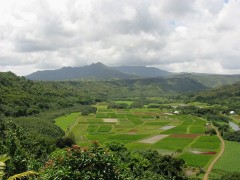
[[191, 136], [154, 139]]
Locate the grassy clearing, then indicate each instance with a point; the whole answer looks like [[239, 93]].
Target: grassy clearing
[[65, 121], [230, 161], [196, 160]]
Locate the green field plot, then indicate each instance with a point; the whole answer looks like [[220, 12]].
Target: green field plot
[[207, 142], [121, 115], [79, 132], [102, 115], [156, 123], [126, 102], [104, 110], [125, 122], [191, 120], [197, 129], [112, 115], [105, 128], [196, 160], [137, 145], [125, 138], [185, 119], [230, 160], [173, 143], [65, 121], [182, 129], [92, 128], [101, 138], [134, 119], [147, 116]]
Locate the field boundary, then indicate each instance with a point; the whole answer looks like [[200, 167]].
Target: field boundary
[[70, 128], [217, 157]]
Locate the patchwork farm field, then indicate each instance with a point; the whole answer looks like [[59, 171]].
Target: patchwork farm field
[[147, 128]]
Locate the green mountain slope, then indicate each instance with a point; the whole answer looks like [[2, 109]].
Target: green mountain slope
[[142, 71], [212, 80], [228, 95], [96, 71]]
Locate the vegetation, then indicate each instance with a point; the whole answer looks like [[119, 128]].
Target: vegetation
[[115, 162], [42, 121]]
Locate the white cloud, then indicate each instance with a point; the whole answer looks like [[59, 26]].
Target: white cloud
[[186, 35]]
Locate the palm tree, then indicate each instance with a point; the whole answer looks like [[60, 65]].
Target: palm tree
[[3, 159]]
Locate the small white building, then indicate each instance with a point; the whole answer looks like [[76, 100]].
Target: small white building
[[232, 112], [176, 112]]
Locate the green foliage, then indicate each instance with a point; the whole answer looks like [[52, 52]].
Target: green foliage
[[226, 96], [65, 142], [24, 175], [23, 149], [113, 105], [232, 176], [82, 163], [111, 162], [232, 136], [88, 110]]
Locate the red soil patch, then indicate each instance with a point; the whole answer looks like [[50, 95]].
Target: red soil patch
[[209, 153], [133, 131], [146, 113], [191, 136]]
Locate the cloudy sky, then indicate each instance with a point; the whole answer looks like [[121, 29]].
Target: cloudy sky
[[175, 35]]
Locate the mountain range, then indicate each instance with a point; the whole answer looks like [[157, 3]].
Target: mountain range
[[101, 72], [97, 71]]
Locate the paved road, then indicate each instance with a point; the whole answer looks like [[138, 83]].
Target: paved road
[[217, 157]]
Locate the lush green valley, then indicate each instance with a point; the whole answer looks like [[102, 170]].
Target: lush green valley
[[141, 128]]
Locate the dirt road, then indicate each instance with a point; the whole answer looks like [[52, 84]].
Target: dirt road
[[217, 157]]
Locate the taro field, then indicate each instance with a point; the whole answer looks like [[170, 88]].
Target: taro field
[[179, 135]]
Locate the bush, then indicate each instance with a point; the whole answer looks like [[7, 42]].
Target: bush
[[231, 176]]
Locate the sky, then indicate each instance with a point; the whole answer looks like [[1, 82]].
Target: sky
[[174, 35]]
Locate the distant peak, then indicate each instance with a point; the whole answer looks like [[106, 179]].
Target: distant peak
[[98, 65]]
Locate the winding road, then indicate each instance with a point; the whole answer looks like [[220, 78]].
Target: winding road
[[217, 157]]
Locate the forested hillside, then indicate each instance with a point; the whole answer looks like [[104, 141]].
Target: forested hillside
[[22, 97], [228, 95]]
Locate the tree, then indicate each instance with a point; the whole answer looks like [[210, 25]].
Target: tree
[[82, 163]]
